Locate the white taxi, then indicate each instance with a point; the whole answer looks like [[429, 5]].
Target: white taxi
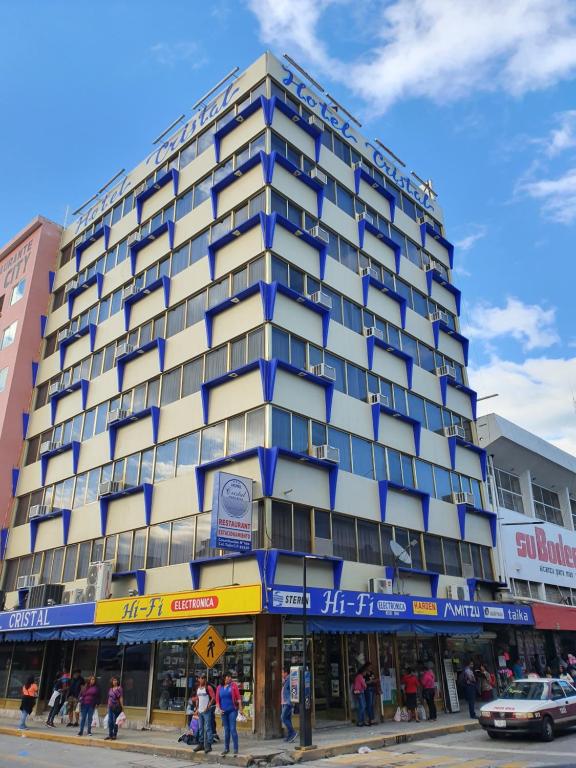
[[533, 705]]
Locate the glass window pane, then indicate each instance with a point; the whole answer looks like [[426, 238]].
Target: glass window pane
[[158, 540], [165, 461], [188, 448], [182, 544]]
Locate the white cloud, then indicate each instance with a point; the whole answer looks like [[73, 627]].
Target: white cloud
[[170, 54], [558, 196], [562, 137], [469, 241], [429, 49], [537, 394], [530, 324]]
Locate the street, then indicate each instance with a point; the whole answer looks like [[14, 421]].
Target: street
[[473, 750]]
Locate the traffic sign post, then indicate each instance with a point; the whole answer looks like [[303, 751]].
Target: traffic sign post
[[210, 646]]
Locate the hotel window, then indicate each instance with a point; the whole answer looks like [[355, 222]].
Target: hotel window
[[3, 378], [8, 335], [509, 492], [18, 291], [547, 505]]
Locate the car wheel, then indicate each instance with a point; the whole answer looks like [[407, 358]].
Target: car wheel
[[495, 734], [547, 732]]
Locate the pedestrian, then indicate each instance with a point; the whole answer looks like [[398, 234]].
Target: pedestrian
[[229, 701], [548, 673], [469, 680], [89, 699], [115, 706], [428, 683], [518, 669], [372, 692], [486, 684], [565, 675], [72, 703], [286, 707], [58, 697], [411, 684], [29, 696], [205, 703], [359, 693]]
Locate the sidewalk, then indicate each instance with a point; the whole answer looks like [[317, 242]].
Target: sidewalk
[[328, 740]]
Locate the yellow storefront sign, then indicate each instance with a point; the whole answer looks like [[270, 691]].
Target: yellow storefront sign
[[425, 607], [210, 646], [223, 601]]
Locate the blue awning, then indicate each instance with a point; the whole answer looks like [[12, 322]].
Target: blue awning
[[18, 637], [150, 631], [346, 625], [105, 632], [46, 634]]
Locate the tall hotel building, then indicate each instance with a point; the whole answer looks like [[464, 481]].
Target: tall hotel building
[[266, 295]]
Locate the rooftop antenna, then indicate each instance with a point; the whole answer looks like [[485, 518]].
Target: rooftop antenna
[[380, 144], [215, 88], [426, 185], [84, 205], [116, 175], [161, 136], [358, 123], [302, 71]]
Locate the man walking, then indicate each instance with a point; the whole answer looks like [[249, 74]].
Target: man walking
[[286, 707]]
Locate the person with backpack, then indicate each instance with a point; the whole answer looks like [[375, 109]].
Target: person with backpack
[[428, 683], [115, 707], [58, 697], [29, 696], [205, 703], [229, 701]]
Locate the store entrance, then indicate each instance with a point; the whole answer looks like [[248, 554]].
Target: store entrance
[[330, 689]]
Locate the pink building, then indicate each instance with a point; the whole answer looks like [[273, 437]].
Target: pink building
[[25, 266]]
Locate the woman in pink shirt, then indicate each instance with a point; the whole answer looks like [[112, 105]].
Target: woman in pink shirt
[[359, 692]]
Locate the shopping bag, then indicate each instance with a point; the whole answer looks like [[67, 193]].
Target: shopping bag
[[398, 715], [53, 699], [105, 721], [404, 715], [121, 720], [421, 712], [241, 717], [95, 719]]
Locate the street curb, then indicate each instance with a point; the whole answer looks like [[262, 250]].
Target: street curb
[[378, 742], [180, 753]]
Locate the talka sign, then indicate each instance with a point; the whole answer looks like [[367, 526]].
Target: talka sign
[[51, 617], [369, 605], [343, 127]]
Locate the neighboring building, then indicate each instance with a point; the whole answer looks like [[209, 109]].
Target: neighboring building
[[266, 294], [27, 264], [534, 485]]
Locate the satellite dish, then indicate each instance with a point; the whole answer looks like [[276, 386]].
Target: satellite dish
[[400, 553]]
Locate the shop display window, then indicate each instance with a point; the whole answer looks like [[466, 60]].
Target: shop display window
[[5, 660], [170, 676], [27, 661]]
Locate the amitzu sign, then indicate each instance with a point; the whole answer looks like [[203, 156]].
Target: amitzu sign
[[231, 512], [543, 553]]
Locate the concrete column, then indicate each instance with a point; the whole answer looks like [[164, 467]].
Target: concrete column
[[527, 497], [564, 496], [268, 675]]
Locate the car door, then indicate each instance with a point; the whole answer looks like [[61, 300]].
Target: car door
[[560, 709], [570, 697]]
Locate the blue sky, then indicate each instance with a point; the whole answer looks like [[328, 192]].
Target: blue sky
[[478, 95]]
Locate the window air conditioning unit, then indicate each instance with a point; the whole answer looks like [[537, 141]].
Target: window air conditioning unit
[[455, 431], [27, 582], [316, 122], [373, 331], [457, 593], [323, 371], [128, 291], [438, 316], [380, 586], [365, 217], [504, 596], [110, 487], [463, 498], [63, 335], [323, 546], [39, 510], [124, 349], [49, 446], [54, 388], [319, 175], [320, 234], [73, 596], [99, 581], [322, 299], [446, 370], [71, 286], [375, 398], [118, 414], [370, 272], [326, 453]]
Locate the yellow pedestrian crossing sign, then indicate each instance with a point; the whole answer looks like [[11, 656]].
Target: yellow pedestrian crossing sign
[[209, 647]]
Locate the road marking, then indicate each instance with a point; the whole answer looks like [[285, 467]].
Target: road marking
[[488, 748]]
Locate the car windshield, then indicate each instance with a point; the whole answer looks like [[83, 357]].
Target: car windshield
[[527, 689]]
